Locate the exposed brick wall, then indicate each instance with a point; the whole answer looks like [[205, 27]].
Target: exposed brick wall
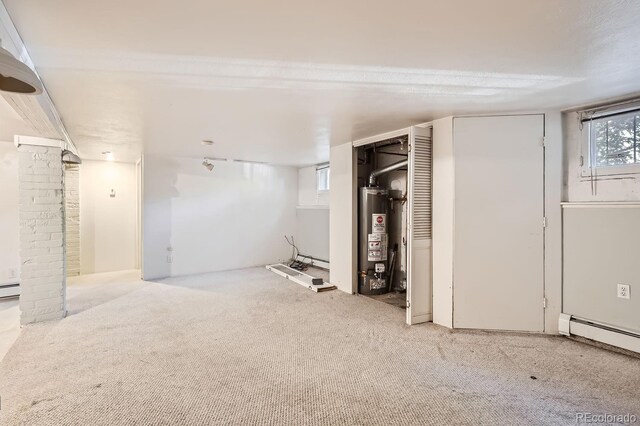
[[43, 279], [72, 217]]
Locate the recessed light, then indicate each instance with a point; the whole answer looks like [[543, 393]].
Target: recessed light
[[207, 142]]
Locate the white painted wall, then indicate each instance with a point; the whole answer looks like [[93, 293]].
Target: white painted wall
[[42, 279], [312, 216], [601, 246], [72, 218], [312, 232], [233, 217], [307, 189], [9, 214], [596, 261], [577, 188], [107, 224], [307, 194], [342, 218]]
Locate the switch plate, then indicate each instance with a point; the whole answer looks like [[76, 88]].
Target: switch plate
[[169, 258], [12, 273], [624, 291]]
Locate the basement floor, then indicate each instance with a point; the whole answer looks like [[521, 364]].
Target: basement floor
[[250, 347], [399, 300]]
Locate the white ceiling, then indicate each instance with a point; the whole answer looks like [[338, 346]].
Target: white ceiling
[[282, 80]]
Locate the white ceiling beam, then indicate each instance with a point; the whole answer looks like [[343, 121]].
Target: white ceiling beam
[[38, 111]]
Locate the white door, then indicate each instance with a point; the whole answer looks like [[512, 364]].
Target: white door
[[419, 233], [498, 280]]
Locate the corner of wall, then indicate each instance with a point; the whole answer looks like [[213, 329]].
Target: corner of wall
[[554, 188], [342, 218]]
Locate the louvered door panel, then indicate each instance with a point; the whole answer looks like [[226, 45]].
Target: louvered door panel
[[422, 188], [419, 241]]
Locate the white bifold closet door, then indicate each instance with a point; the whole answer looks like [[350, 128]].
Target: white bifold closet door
[[498, 278], [419, 286]]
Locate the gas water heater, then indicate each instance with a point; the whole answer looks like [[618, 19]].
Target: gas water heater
[[373, 234], [373, 245]]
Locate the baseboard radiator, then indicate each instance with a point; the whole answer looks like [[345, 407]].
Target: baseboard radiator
[[9, 290], [570, 325]]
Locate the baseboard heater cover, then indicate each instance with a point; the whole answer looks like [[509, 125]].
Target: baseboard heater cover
[[570, 325], [299, 277], [314, 261], [9, 290]]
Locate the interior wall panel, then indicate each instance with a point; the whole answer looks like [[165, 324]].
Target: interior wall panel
[[601, 244]]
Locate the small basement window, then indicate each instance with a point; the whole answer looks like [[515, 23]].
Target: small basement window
[[322, 178], [614, 143]]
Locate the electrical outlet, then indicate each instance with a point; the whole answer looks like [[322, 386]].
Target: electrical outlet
[[12, 273], [624, 291]]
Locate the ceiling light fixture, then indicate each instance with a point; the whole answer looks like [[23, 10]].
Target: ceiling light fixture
[[69, 157], [207, 142], [16, 76], [108, 155], [207, 164]]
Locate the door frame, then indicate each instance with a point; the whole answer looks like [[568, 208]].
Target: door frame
[[349, 196]]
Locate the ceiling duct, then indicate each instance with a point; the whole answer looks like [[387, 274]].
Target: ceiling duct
[[373, 177]]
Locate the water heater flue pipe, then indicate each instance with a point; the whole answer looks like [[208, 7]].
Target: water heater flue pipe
[[373, 177]]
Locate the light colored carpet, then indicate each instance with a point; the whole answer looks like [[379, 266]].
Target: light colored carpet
[[250, 347]]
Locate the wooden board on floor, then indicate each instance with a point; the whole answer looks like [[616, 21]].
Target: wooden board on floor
[[299, 277]]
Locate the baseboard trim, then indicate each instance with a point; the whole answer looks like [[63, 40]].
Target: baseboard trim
[[570, 325], [9, 290]]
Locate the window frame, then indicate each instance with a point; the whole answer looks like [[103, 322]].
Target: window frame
[[587, 169], [319, 168]]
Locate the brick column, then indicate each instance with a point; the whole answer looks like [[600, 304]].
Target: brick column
[[43, 283], [72, 218]]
